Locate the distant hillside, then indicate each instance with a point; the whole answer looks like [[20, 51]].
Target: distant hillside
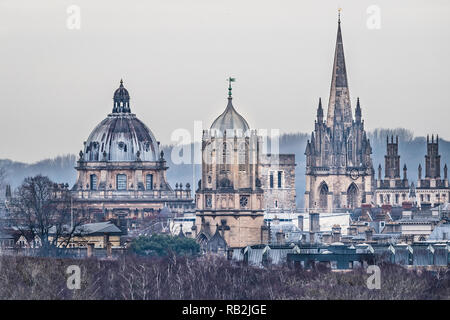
[[412, 151]]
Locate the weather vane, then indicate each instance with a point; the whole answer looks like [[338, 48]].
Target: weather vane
[[230, 80]]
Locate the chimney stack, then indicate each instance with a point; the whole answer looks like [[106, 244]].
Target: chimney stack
[[314, 225], [280, 237], [336, 233], [300, 222], [369, 234]]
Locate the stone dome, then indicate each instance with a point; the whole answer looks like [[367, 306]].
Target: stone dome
[[230, 119], [121, 136]]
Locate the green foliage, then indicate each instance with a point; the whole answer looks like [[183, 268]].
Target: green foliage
[[163, 245]]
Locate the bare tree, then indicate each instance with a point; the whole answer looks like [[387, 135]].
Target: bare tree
[[42, 208]]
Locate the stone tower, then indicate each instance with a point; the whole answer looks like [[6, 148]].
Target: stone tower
[[432, 189], [432, 159], [229, 198], [339, 171], [393, 190], [392, 159]]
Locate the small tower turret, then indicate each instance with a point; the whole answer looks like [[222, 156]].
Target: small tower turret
[[320, 112], [358, 114]]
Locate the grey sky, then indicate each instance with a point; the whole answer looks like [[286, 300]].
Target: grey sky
[[175, 55]]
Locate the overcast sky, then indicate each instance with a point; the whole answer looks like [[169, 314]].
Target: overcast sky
[[56, 84]]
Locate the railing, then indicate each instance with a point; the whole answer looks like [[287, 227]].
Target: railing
[[122, 195]]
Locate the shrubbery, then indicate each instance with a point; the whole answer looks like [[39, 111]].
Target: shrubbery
[[206, 277], [163, 245]]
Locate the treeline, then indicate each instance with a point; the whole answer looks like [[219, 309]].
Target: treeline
[[206, 278], [412, 151]]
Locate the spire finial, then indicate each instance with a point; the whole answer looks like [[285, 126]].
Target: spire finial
[[121, 82], [230, 80], [339, 15]]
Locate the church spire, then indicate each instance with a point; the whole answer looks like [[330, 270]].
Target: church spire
[[339, 93], [358, 111], [320, 111]]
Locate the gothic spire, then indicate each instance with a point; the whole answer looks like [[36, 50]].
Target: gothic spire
[[339, 93], [358, 111], [320, 111]]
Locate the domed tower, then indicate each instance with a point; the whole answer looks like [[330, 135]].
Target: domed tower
[[121, 170], [229, 197]]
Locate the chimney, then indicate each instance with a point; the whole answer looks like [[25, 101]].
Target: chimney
[[300, 222], [311, 237], [314, 225], [336, 233], [369, 234], [109, 250], [280, 237], [352, 231], [327, 238], [90, 250], [406, 214], [407, 205]]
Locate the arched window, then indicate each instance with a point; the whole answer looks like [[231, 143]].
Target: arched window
[[323, 196], [225, 161], [280, 179], [121, 182], [93, 181], [149, 182], [350, 149], [352, 196], [243, 156]]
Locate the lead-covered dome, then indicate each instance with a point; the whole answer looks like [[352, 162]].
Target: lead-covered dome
[[121, 136], [230, 119]]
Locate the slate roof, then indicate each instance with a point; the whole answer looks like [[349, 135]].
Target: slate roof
[[230, 119], [438, 232]]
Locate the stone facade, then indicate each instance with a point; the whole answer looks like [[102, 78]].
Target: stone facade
[[339, 170], [121, 173], [393, 190], [278, 183], [230, 199], [432, 189]]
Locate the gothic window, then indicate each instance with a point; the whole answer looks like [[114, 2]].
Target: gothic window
[[93, 182], [352, 196], [381, 198], [388, 198], [396, 198], [350, 149], [421, 197], [225, 165], [280, 175], [243, 156], [323, 196], [271, 180], [121, 182], [208, 201], [428, 197], [243, 201], [149, 182]]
